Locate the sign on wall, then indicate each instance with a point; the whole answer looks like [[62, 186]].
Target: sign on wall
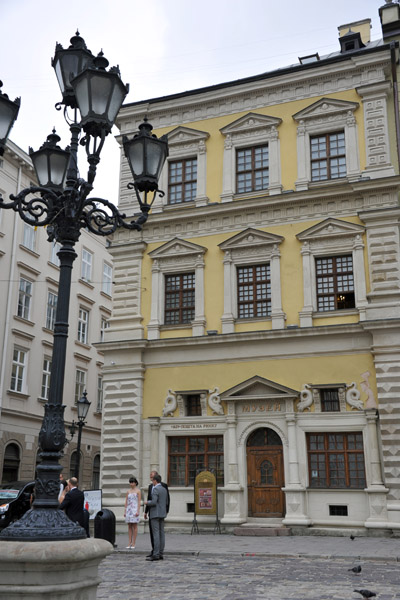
[[92, 502], [205, 486]]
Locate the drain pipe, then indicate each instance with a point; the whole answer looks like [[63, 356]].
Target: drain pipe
[[395, 97]]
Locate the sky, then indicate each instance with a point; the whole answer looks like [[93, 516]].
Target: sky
[[162, 47]]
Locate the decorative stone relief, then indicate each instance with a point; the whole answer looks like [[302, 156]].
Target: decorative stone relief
[[170, 404], [306, 398], [353, 396], [371, 402], [214, 401]]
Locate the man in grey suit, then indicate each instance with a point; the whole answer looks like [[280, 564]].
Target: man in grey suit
[[158, 512]]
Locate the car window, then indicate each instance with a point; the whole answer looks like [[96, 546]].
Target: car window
[[6, 495]]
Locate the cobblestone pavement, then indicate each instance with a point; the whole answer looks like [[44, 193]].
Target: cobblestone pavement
[[192, 576]]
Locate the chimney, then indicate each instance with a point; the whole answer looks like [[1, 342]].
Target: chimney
[[389, 15], [362, 27]]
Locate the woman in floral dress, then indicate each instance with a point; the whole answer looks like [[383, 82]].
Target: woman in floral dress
[[132, 509]]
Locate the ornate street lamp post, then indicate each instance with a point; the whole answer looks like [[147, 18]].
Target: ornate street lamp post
[[8, 114], [83, 406], [60, 202]]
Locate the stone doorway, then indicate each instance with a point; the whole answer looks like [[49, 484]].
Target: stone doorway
[[265, 474]]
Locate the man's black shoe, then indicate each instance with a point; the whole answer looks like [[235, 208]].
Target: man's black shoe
[[152, 558], [161, 558], [148, 555]]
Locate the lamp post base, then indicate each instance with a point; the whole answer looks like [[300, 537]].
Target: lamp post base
[[43, 525], [51, 570]]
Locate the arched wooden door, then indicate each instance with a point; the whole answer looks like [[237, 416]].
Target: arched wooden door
[[265, 474]]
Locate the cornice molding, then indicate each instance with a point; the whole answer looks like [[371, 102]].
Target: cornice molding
[[247, 96], [340, 200]]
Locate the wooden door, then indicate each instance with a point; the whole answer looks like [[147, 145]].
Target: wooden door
[[265, 479]]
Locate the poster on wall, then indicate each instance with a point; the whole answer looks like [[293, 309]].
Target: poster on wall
[[92, 502]]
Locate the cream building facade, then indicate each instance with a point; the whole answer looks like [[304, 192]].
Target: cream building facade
[[29, 290], [256, 320]]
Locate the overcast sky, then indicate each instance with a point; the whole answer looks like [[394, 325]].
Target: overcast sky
[[161, 46]]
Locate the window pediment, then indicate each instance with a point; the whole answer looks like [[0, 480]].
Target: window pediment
[[183, 136], [250, 124], [250, 239], [325, 108], [330, 229], [259, 388], [177, 248]]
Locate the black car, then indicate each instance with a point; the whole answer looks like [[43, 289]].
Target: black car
[[14, 501]]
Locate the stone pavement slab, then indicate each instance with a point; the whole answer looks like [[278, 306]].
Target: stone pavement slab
[[308, 546], [128, 576]]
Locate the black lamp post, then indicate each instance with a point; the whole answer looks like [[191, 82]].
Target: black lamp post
[[83, 406], [60, 202]]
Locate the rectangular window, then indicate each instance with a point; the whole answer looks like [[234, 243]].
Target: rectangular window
[[330, 400], [99, 406], [252, 169], [328, 156], [107, 279], [29, 236], [190, 455], [55, 248], [254, 291], [179, 298], [51, 310], [18, 370], [336, 460], [103, 326], [193, 405], [182, 181], [83, 323], [46, 378], [335, 283], [87, 260], [80, 384], [24, 298]]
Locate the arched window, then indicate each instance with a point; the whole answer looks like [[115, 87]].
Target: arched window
[[11, 463], [264, 437], [96, 472]]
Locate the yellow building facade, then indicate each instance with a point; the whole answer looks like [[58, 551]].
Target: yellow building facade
[[256, 319]]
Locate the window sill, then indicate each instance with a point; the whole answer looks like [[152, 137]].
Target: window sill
[[334, 313], [22, 320], [327, 182], [189, 203], [19, 395], [257, 194], [86, 282], [29, 250], [344, 489], [42, 400], [82, 345], [177, 326], [105, 295], [253, 319], [51, 264]]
